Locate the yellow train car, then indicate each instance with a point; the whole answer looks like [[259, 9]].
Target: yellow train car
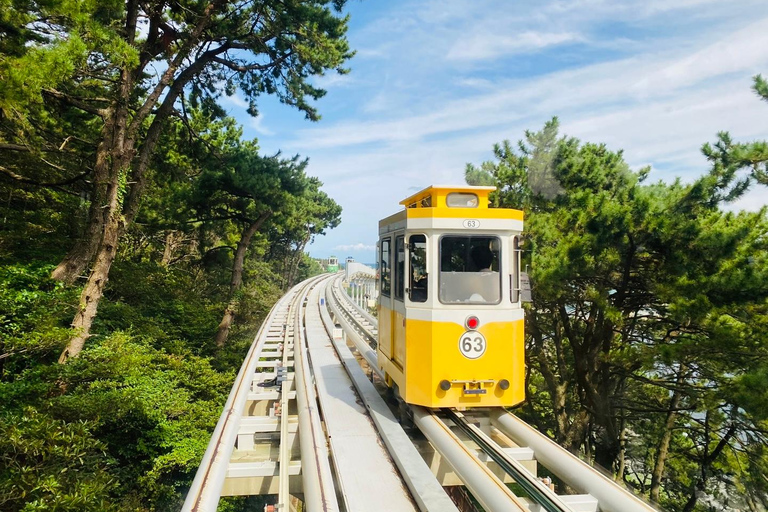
[[450, 311]]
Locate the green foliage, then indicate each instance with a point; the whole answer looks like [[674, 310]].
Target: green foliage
[[308, 267], [34, 314], [139, 405], [168, 305], [729, 158], [50, 464], [36, 225], [130, 428], [124, 426], [153, 410], [761, 87]]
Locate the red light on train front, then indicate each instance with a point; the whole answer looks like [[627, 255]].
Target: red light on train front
[[472, 323]]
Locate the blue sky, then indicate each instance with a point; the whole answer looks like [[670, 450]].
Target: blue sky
[[435, 84]]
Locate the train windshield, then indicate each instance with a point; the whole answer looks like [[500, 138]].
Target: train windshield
[[469, 270]]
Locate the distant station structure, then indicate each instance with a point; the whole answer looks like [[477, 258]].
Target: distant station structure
[[362, 282]]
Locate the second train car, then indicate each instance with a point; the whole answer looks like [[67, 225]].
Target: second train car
[[449, 311]]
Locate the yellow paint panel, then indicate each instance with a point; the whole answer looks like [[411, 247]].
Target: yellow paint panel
[[468, 213], [385, 331], [419, 356], [434, 355], [431, 354], [398, 327], [438, 195]]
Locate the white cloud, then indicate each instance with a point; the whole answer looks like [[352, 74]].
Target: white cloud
[[382, 51], [257, 123], [476, 83], [487, 45], [742, 50], [438, 82], [621, 84], [383, 101], [333, 79], [753, 200], [235, 100], [355, 247]]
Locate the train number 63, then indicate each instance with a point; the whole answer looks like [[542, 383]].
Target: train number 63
[[472, 344]]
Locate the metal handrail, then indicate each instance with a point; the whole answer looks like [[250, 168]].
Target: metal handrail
[[569, 468], [205, 491]]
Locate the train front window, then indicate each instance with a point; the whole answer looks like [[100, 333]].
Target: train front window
[[417, 245], [469, 270]]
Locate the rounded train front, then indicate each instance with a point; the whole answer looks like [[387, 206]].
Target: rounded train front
[[450, 313]]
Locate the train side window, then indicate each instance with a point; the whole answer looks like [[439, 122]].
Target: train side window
[[399, 266], [417, 287], [469, 270], [514, 277], [385, 267]]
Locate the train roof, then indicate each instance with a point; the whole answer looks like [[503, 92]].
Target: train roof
[[436, 195], [456, 202]]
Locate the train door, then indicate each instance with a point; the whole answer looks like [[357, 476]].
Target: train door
[[398, 313], [385, 297]]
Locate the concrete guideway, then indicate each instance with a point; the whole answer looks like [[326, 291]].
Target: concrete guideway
[[426, 490], [367, 478]]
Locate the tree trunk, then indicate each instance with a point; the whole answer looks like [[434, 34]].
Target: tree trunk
[[222, 332], [622, 455], [294, 270], [577, 431], [83, 251], [170, 245], [115, 156], [75, 262], [94, 288], [571, 427], [113, 164], [80, 255], [607, 452], [599, 389], [662, 449], [700, 486], [112, 137]]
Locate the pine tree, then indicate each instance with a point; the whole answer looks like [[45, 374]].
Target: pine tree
[[95, 62]]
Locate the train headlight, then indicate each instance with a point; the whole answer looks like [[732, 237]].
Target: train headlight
[[472, 323], [504, 384], [445, 385]]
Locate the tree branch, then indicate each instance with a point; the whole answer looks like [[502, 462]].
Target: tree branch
[[173, 66], [30, 181], [251, 67], [76, 102]]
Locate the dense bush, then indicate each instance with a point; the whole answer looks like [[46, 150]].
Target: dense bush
[[123, 426]]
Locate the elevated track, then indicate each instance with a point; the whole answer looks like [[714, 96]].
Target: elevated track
[[308, 420]]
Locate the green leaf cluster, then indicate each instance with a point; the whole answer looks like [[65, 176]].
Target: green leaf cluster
[[126, 424], [50, 464]]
